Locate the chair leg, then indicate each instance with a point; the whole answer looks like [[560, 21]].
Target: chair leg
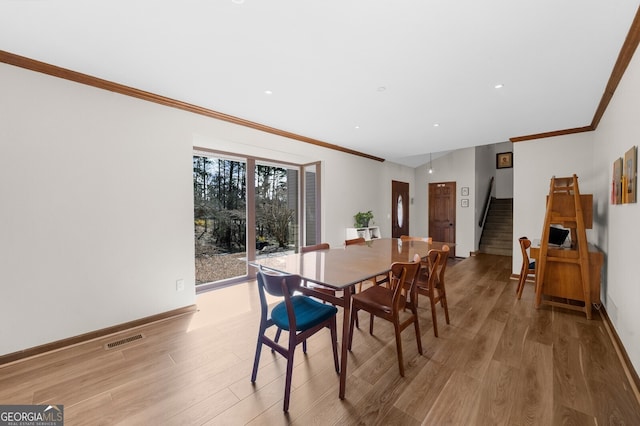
[[334, 343], [416, 324], [277, 337], [521, 283], [352, 320], [304, 346], [256, 360], [287, 384], [434, 317], [443, 303], [357, 321], [371, 324], [521, 280], [396, 327]]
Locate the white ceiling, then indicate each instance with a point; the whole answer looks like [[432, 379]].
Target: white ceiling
[[395, 68]]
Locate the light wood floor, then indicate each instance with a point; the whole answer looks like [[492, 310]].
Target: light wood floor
[[500, 361]]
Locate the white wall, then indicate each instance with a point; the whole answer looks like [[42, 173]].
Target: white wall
[[504, 177], [96, 222], [539, 160], [419, 222], [457, 166], [618, 226], [96, 210]]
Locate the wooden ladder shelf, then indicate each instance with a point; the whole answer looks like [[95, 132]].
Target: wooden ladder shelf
[[565, 208]]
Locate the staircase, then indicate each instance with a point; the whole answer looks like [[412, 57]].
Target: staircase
[[497, 235]]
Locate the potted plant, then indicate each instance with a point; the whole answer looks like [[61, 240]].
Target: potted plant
[[362, 219]]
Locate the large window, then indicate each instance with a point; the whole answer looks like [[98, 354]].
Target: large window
[[277, 212], [220, 218], [235, 222]]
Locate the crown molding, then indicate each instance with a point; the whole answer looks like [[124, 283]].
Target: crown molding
[[66, 74]]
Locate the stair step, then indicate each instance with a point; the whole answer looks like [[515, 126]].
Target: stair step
[[498, 230], [499, 227], [497, 235]]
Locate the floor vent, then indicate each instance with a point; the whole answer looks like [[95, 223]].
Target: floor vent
[[123, 341]]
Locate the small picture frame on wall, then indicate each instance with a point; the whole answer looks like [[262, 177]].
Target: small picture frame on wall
[[629, 177], [464, 191], [504, 160], [464, 202], [616, 184]]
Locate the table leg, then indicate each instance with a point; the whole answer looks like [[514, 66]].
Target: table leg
[[346, 320]]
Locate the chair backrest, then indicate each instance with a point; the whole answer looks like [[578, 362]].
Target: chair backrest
[[276, 284], [321, 246], [525, 243], [402, 279], [410, 238], [280, 285], [438, 264], [360, 240]]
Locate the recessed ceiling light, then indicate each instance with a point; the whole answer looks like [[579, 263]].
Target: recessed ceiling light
[[499, 86], [357, 127], [436, 125], [268, 92], [237, 1], [381, 89]]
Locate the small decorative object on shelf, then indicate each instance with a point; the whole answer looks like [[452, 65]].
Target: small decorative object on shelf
[[362, 219]]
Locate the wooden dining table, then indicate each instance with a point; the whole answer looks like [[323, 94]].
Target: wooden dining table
[[344, 267]]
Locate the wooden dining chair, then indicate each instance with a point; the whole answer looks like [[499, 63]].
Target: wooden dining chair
[[528, 267], [318, 287], [315, 247], [431, 282], [378, 280], [359, 240], [300, 315], [353, 241], [389, 303]]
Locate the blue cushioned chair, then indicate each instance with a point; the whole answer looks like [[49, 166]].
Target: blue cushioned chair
[[300, 315]]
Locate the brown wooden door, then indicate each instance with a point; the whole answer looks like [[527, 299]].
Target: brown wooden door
[[442, 212], [399, 209]]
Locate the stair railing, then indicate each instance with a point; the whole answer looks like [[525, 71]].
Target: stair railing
[[487, 202]]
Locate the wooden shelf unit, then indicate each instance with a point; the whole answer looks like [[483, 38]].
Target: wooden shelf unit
[[368, 233], [564, 275]]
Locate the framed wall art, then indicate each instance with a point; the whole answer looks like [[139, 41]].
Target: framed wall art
[[630, 176], [504, 160], [616, 184]]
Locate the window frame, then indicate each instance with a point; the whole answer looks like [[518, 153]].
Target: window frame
[[251, 162]]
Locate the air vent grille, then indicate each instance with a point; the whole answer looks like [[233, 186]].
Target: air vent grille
[[124, 341]]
